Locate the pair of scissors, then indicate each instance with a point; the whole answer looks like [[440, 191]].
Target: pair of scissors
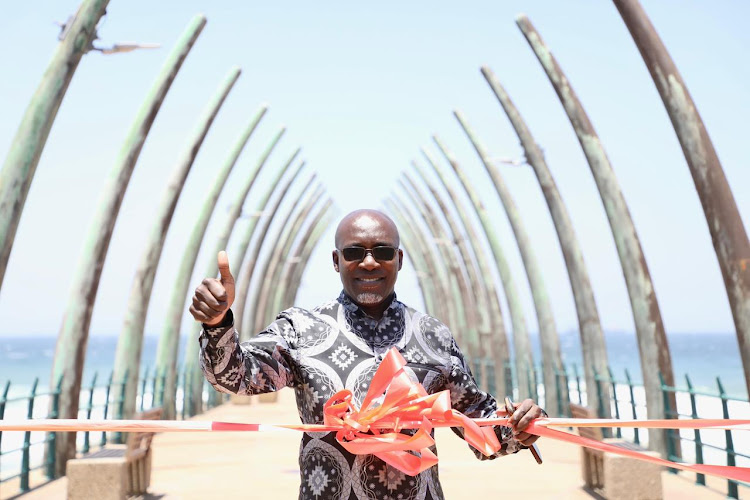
[[534, 449]]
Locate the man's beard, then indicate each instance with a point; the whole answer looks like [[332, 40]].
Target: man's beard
[[369, 299]]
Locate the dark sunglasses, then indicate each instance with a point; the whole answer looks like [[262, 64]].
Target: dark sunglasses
[[382, 253]]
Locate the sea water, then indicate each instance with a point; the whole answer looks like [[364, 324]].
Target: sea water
[[24, 359]]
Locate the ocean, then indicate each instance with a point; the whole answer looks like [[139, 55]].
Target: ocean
[[704, 356]]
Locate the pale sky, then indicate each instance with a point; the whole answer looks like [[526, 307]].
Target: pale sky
[[361, 88]]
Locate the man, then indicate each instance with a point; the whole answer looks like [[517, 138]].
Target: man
[[339, 345]]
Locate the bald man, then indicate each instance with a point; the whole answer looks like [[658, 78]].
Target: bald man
[[339, 345]]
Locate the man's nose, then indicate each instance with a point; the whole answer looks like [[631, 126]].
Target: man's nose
[[369, 262]]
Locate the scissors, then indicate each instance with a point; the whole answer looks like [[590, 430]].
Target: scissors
[[534, 449]]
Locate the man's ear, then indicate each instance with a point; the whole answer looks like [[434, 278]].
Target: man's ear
[[400, 258], [335, 260]]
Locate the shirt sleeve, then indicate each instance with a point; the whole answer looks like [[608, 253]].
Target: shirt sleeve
[[265, 363], [469, 399]]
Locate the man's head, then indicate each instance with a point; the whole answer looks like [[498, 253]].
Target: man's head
[[368, 280]]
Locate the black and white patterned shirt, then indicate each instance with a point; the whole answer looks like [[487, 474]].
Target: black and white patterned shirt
[[337, 346]]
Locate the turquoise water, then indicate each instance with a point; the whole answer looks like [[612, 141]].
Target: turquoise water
[[704, 356], [23, 359]]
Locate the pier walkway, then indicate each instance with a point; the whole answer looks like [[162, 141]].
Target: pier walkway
[[264, 465]]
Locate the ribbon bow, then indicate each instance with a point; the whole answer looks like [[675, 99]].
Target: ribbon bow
[[394, 402]]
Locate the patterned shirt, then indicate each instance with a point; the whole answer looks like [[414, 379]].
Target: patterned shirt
[[337, 346]]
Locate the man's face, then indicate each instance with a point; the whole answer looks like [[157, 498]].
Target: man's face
[[368, 281]]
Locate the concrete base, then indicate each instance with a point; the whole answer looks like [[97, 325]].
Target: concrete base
[[270, 397], [236, 399], [97, 479], [629, 478]]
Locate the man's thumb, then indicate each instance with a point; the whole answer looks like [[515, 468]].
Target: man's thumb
[[223, 261]]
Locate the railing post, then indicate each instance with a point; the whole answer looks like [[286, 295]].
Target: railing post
[[732, 489], [3, 399], [508, 377], [531, 378], [185, 393], [153, 387], [120, 406], [613, 385], [143, 388], [578, 384], [106, 404], [600, 410], [52, 436], [163, 387], [699, 478], [89, 409], [566, 379], [669, 413], [557, 376], [636, 437], [600, 397], [491, 385], [27, 440]]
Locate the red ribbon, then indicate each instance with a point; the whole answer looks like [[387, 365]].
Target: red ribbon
[[393, 401]]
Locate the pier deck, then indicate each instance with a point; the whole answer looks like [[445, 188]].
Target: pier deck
[[264, 465]]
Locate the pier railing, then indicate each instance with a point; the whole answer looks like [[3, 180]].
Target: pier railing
[[628, 401], [30, 458]]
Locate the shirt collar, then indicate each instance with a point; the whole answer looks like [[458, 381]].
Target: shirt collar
[[352, 306]]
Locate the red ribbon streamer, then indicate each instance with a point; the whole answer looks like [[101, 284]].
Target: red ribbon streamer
[[401, 401], [406, 401]]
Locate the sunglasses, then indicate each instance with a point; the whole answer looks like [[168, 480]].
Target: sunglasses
[[382, 253]]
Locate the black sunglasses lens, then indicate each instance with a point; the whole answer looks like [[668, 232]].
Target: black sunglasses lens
[[383, 253], [378, 253], [353, 253]]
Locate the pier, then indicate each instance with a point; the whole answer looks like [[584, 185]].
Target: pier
[[264, 464]]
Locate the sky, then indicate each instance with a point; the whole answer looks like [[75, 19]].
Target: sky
[[361, 87]]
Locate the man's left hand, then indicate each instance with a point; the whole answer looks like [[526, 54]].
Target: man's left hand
[[526, 411]]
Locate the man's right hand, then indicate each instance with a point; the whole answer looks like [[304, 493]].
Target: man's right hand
[[214, 297]]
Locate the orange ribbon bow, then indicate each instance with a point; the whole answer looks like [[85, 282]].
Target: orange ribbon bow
[[394, 402]]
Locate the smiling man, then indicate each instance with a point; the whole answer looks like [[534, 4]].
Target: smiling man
[[339, 345]]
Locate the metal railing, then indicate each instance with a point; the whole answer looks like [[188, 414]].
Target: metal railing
[[97, 400], [25, 449], [699, 445], [627, 400]]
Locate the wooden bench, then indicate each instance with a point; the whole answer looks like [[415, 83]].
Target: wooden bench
[[115, 471], [614, 476]]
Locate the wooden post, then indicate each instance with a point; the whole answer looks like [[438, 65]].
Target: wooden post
[[549, 339], [130, 341], [289, 251], [477, 297], [191, 352], [498, 337], [28, 143], [593, 344], [70, 351], [407, 221], [652, 340], [265, 211], [169, 341], [312, 237], [724, 221]]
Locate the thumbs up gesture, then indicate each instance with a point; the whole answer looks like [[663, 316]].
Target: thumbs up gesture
[[214, 297]]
